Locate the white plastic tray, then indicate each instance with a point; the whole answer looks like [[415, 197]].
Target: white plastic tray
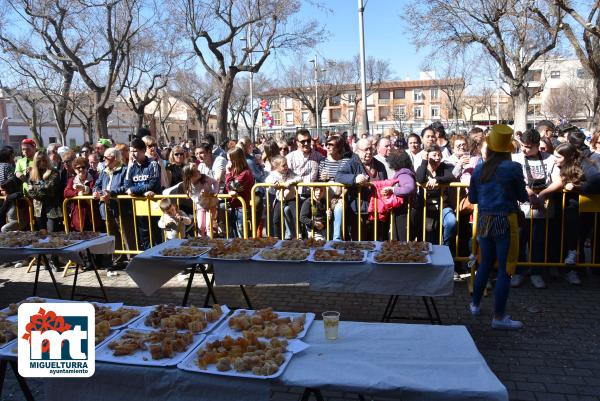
[[73, 243], [311, 258], [142, 358], [329, 245], [144, 310], [259, 258], [430, 250], [189, 363], [371, 259], [14, 318], [140, 323], [202, 251], [6, 350], [280, 243], [109, 337], [225, 330]]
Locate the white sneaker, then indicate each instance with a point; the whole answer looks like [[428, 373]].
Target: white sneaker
[[571, 258], [506, 323], [516, 280], [111, 273], [475, 310], [18, 264], [537, 281], [573, 278]]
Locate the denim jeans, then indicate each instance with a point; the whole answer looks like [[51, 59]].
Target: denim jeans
[[448, 225], [337, 221], [493, 249]]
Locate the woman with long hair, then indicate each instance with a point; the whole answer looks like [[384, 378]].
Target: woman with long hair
[[496, 187], [46, 192], [175, 166], [238, 182], [203, 191], [328, 169], [577, 175], [81, 184]]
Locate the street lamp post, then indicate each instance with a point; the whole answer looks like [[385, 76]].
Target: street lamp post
[[248, 48], [314, 61], [363, 82], [498, 96]]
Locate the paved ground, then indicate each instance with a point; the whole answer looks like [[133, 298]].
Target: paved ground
[[556, 356]]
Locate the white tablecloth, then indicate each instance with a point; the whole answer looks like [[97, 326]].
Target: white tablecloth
[[411, 362], [101, 245], [150, 271], [408, 361]]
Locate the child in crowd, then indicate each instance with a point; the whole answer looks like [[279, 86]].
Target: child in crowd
[[11, 189], [173, 220], [283, 179], [203, 191], [314, 214]]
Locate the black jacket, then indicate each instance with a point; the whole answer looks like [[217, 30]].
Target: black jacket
[[347, 175], [443, 175]]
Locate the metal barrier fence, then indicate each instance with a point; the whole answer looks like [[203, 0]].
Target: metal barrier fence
[[145, 211], [28, 218], [132, 210]]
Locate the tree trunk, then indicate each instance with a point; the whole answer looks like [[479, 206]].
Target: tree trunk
[[223, 107], [594, 123], [140, 118], [520, 99]]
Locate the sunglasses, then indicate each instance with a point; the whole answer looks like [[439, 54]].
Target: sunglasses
[[305, 142], [79, 167], [178, 154]]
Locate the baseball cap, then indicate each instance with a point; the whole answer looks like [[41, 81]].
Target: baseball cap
[[28, 141]]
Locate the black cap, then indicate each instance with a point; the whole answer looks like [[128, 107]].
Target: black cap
[[546, 123], [567, 127]]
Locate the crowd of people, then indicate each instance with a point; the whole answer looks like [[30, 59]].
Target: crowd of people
[[373, 187]]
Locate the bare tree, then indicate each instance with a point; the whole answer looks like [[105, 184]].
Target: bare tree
[[376, 72], [297, 82], [151, 60], [95, 37], [82, 108], [515, 33], [215, 29], [198, 94], [29, 103], [165, 105], [567, 102], [238, 106], [587, 47]]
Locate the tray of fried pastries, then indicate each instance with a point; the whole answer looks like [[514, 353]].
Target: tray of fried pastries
[[282, 255], [118, 316], [266, 242], [53, 243], [230, 252], [338, 256], [19, 239], [12, 310], [307, 243], [354, 245], [80, 235], [249, 357], [416, 246], [182, 318], [8, 332], [205, 242], [10, 349], [401, 256], [182, 252], [162, 347], [266, 323]]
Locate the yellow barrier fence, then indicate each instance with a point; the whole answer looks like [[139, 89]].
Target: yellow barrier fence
[[23, 218]]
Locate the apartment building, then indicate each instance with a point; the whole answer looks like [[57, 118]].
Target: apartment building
[[402, 105]]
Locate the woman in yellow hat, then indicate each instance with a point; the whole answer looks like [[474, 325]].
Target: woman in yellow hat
[[496, 187]]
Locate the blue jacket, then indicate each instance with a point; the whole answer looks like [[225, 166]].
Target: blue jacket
[[499, 195], [143, 177], [117, 187], [347, 174]]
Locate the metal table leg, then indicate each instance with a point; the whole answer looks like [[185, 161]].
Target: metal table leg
[[38, 260], [49, 268], [95, 269], [3, 363], [309, 391], [209, 286], [188, 287], [22, 383], [246, 297]]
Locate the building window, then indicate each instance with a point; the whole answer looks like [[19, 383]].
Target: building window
[[399, 94], [72, 142], [370, 115], [335, 115], [335, 100], [418, 112], [418, 95], [305, 117], [555, 74], [350, 115], [384, 113], [351, 97], [533, 75], [52, 139], [400, 112], [582, 74], [435, 94], [384, 97], [276, 118], [435, 112], [289, 118], [273, 103], [289, 103]]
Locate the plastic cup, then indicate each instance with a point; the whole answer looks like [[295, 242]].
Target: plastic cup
[[331, 322]]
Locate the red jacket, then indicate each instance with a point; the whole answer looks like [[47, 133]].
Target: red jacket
[[242, 184], [78, 218]]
